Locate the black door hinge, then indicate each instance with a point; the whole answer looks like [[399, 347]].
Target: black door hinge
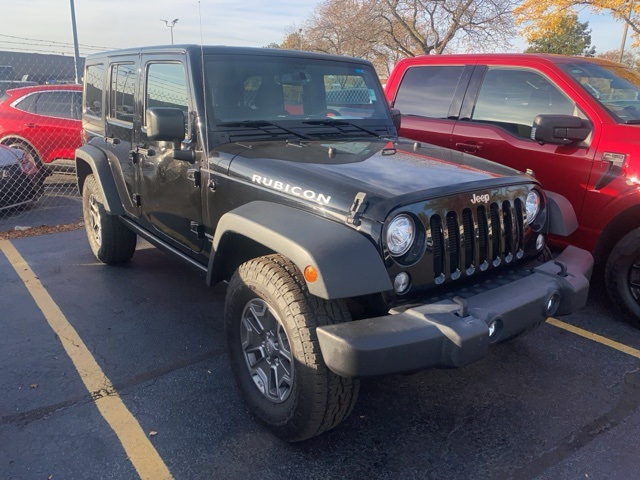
[[198, 229], [195, 176], [136, 199]]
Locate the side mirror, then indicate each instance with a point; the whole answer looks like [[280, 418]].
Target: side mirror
[[165, 124], [559, 129], [396, 116]]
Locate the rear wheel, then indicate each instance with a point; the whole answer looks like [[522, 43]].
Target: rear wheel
[[111, 242], [271, 321], [622, 275]]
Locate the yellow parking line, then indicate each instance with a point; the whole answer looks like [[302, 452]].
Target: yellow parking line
[[621, 347], [136, 444]]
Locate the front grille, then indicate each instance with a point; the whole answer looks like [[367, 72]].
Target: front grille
[[476, 238]]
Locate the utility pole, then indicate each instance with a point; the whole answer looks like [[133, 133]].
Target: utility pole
[[76, 51], [624, 33], [170, 24]]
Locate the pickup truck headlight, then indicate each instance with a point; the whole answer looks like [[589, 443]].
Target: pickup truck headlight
[[533, 206], [401, 233]]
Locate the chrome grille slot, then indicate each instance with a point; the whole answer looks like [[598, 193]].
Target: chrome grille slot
[[437, 239], [468, 235], [453, 242], [483, 236]]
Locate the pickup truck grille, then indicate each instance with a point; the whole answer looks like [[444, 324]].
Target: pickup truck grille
[[475, 238]]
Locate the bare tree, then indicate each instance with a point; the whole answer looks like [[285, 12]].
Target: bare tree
[[385, 30]]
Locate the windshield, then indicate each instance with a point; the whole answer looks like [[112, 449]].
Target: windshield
[[616, 87], [255, 88]]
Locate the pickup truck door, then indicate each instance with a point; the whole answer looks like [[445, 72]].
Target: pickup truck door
[[495, 123], [170, 194], [429, 99]]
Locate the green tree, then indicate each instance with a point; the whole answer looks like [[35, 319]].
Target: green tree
[[568, 37]]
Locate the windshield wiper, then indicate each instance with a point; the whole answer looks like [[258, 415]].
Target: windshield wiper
[[633, 121], [261, 124], [338, 123]]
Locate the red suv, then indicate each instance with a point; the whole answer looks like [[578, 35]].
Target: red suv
[[43, 121], [573, 122]]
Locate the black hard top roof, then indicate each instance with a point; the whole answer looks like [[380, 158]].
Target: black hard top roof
[[222, 49]]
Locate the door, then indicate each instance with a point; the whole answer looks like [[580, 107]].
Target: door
[[54, 127], [429, 99], [498, 128], [170, 193]]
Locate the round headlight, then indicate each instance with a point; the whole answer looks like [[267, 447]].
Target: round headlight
[[400, 235], [533, 205]]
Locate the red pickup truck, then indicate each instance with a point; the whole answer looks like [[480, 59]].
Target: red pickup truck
[[573, 122]]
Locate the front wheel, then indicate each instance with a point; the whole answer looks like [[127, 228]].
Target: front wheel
[[111, 242], [622, 275], [271, 321]]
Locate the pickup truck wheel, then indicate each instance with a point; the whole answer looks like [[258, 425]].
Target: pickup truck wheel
[[622, 275], [271, 321], [110, 241]]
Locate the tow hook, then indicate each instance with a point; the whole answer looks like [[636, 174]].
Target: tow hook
[[563, 269]]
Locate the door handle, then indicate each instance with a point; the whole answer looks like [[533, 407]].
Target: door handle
[[31, 125], [468, 147]]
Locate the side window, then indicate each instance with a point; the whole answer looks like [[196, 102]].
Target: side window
[[512, 98], [428, 91], [28, 103], [55, 104], [121, 91], [93, 85], [166, 86]]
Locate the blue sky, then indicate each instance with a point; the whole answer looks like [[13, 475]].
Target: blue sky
[[126, 23]]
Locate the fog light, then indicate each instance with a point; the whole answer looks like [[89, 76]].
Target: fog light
[[552, 304], [495, 329], [402, 283], [540, 242]]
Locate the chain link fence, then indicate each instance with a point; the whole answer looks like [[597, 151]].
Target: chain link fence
[[40, 128]]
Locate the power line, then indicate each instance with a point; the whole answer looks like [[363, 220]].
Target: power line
[[50, 42]]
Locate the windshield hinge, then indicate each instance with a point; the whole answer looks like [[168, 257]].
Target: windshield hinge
[[357, 209]]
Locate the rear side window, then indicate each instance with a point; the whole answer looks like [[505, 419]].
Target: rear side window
[[428, 91], [27, 103], [56, 104], [511, 98], [123, 84], [93, 84]]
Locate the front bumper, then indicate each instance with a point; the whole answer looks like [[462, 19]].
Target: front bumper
[[449, 334]]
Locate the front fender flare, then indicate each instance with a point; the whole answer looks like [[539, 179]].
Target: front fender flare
[[90, 157], [348, 263]]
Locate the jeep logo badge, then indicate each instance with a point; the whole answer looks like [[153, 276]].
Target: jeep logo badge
[[480, 198]]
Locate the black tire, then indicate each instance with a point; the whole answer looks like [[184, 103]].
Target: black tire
[[111, 242], [311, 399], [622, 275]]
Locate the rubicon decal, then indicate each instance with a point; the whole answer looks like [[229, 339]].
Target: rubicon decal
[[292, 189], [480, 198]]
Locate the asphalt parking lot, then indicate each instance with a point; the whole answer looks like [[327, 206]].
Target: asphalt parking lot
[[121, 372]]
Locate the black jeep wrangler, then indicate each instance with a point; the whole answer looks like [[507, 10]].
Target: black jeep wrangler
[[347, 251]]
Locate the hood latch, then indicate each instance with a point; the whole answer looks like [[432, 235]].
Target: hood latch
[[357, 209]]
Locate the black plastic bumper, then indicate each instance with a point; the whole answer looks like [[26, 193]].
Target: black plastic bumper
[[441, 335]]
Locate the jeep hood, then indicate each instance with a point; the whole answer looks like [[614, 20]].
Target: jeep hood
[[330, 173]]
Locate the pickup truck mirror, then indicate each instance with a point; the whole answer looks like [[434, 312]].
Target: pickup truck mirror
[[165, 124], [559, 129], [396, 116]]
